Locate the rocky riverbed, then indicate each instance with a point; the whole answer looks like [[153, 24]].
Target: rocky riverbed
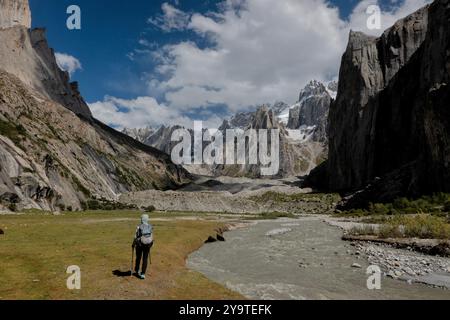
[[406, 265], [306, 258]]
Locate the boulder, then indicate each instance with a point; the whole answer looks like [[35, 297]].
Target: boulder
[[211, 240]]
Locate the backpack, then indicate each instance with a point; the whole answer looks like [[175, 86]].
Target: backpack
[[146, 234]]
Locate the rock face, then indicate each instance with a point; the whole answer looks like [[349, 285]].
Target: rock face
[[161, 139], [50, 158], [297, 157], [301, 150], [14, 13], [311, 112], [389, 126], [53, 154], [26, 54]]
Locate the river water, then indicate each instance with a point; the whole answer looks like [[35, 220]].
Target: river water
[[296, 259]]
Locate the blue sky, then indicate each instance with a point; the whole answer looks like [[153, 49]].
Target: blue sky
[[137, 60]]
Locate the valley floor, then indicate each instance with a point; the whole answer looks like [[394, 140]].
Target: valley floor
[[302, 258], [36, 250]]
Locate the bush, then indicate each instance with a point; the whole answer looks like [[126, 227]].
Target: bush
[[364, 230], [12, 207], [149, 209], [390, 231], [420, 226], [435, 204], [447, 206], [107, 205]]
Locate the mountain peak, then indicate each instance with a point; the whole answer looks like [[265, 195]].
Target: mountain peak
[[15, 13]]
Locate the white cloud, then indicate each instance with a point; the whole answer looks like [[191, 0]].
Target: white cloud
[[139, 113], [67, 62], [260, 51], [399, 10], [171, 19]]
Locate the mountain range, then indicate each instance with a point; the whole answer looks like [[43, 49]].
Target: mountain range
[[382, 132], [303, 137]]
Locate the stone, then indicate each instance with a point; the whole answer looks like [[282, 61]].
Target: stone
[[220, 238], [210, 240], [15, 13], [409, 271], [391, 274], [356, 265]]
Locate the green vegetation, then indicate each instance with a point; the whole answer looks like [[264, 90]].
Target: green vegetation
[[129, 177], [81, 187], [107, 205], [437, 204], [278, 197], [16, 133], [149, 209], [99, 243], [420, 226]]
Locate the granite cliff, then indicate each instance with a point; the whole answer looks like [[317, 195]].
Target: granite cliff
[[389, 126]]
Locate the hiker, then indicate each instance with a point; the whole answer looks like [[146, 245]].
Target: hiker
[[143, 242]]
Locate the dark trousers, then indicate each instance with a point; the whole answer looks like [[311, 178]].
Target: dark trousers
[[142, 253]]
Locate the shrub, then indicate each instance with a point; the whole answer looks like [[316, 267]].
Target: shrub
[[447, 206], [364, 230], [149, 209], [14, 132]]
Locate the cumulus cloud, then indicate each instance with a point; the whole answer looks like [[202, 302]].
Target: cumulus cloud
[[397, 10], [67, 62], [262, 51], [257, 51], [139, 113]]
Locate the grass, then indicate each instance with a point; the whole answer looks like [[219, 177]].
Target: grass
[[297, 197], [37, 249], [437, 204], [420, 226], [15, 133]]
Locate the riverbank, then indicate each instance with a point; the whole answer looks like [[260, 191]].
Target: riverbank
[[408, 259]]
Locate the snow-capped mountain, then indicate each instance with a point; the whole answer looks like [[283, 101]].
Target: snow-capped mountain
[[314, 90], [139, 134], [303, 132], [307, 118]]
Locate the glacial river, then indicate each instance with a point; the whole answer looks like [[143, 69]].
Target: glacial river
[[296, 259]]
